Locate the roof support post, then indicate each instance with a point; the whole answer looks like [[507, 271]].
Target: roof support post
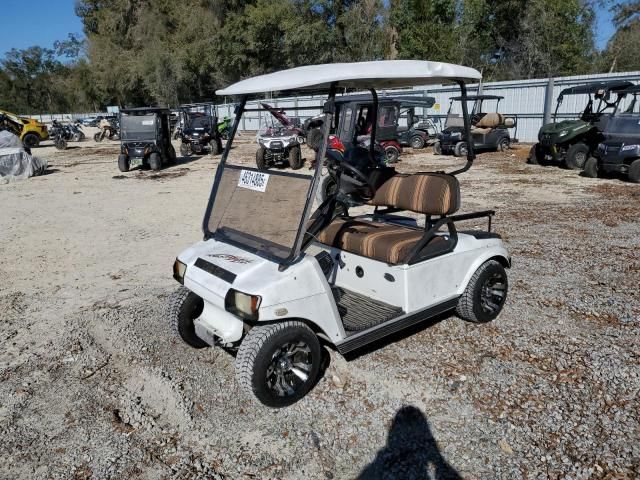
[[471, 155], [548, 101], [374, 125]]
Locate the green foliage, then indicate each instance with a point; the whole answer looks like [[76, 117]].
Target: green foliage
[[163, 52]]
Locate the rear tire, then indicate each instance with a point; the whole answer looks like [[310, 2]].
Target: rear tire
[[123, 162], [30, 140], [437, 148], [260, 161], [279, 363], [485, 294], [295, 158], [97, 137], [171, 155], [61, 144], [417, 142], [155, 162], [634, 171], [183, 308], [460, 150], [591, 168], [577, 155]]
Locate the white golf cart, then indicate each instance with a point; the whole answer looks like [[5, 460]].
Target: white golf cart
[[272, 281]]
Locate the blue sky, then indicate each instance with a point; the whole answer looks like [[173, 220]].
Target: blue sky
[[42, 22]]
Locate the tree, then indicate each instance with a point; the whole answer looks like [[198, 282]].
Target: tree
[[621, 51]]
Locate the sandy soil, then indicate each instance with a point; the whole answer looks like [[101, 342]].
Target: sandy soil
[[93, 385]]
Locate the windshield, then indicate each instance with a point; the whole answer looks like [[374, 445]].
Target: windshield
[[624, 126], [260, 210], [138, 127]]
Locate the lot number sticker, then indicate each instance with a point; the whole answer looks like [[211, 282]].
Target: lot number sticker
[[253, 180]]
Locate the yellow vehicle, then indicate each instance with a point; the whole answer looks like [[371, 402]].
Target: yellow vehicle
[[33, 131]]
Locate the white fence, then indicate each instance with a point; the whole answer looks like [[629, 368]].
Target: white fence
[[523, 98]]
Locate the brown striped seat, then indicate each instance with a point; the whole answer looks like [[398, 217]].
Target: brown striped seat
[[381, 241], [428, 193]]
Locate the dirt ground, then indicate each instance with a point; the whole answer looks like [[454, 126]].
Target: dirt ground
[[93, 385]]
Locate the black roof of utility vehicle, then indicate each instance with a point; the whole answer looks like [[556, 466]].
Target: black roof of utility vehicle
[[478, 97], [631, 89], [595, 87], [140, 110]]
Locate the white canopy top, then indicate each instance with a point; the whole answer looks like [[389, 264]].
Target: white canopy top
[[380, 74]]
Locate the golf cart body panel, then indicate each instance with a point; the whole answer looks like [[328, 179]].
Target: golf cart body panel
[[621, 146], [270, 277]]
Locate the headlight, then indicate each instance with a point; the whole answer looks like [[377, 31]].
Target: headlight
[[629, 147], [242, 304], [601, 147], [179, 269], [563, 133]]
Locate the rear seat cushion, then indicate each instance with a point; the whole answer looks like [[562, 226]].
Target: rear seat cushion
[[381, 241], [429, 193], [480, 131], [490, 120]]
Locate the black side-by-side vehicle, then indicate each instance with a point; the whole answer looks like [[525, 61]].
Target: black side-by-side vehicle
[[619, 152], [145, 138]]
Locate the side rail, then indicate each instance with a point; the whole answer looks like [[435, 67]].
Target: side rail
[[469, 216]]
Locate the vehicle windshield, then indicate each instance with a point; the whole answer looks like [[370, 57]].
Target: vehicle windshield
[[624, 126], [259, 210], [138, 127], [198, 120]]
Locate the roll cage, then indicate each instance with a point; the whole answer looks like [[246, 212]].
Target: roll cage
[[600, 91]]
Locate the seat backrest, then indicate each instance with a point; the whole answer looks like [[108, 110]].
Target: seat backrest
[[490, 120], [428, 193]]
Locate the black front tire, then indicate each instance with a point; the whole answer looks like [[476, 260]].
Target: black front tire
[[183, 308], [460, 150], [185, 149], [215, 146], [314, 138], [61, 144], [634, 171], [279, 363], [437, 148], [31, 140], [504, 144], [97, 137], [261, 163], [417, 142], [123, 162], [295, 157], [391, 154], [591, 168], [577, 155], [485, 294], [155, 161]]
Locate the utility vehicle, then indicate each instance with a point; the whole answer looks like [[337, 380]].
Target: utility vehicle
[[619, 152], [571, 142], [32, 131], [276, 277], [280, 143], [199, 129], [490, 130], [418, 132], [145, 138]]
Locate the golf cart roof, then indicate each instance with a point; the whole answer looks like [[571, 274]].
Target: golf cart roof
[[473, 98], [143, 110], [596, 87], [379, 74]]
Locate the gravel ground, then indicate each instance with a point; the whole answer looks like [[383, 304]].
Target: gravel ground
[[92, 384]]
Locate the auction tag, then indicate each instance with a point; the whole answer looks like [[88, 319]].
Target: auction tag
[[253, 180]]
